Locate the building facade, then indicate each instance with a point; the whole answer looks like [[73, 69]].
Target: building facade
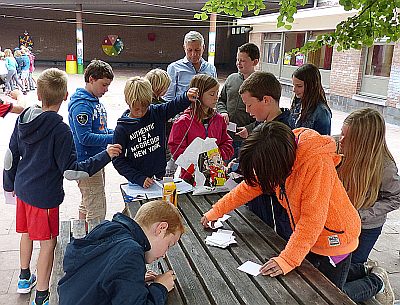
[[352, 79]]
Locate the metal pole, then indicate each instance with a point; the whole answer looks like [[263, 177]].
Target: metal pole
[[212, 38], [79, 39]]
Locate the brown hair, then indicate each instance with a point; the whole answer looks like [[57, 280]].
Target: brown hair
[[267, 156], [365, 152], [204, 83], [52, 86], [159, 211], [260, 84], [251, 50], [313, 91], [98, 69]]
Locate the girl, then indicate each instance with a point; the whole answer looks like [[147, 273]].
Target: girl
[[201, 120], [11, 65], [309, 107], [299, 166], [369, 174], [160, 81]]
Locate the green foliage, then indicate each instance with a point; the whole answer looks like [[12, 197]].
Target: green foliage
[[376, 19]]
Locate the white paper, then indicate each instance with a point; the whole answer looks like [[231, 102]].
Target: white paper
[[10, 199], [250, 268], [221, 239], [232, 126], [230, 184], [224, 217], [216, 224]]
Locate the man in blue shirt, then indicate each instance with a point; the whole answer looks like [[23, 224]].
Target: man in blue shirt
[[182, 71]]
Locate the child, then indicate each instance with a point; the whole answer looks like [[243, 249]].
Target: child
[[141, 132], [6, 107], [115, 270], [299, 167], [160, 81], [41, 152], [261, 93], [201, 120], [309, 107], [369, 174], [88, 121], [230, 104]]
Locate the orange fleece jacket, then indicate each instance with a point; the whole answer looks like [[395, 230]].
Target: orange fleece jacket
[[318, 201]]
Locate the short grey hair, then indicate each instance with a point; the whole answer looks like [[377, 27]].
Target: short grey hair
[[193, 36]]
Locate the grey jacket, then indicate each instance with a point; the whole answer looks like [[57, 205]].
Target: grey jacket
[[388, 199], [230, 102]]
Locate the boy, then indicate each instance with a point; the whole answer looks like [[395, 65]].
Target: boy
[[88, 122], [115, 270], [141, 132], [261, 93], [41, 152], [230, 104]]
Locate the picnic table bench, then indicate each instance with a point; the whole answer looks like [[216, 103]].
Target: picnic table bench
[[209, 275]]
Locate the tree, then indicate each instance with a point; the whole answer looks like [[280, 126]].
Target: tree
[[375, 19]]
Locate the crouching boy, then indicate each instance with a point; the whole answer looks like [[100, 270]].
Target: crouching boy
[[108, 266]]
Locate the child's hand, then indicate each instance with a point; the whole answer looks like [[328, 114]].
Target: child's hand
[[113, 150], [150, 276], [271, 268], [166, 279], [192, 94], [16, 94], [148, 182], [243, 133], [204, 221], [226, 117]]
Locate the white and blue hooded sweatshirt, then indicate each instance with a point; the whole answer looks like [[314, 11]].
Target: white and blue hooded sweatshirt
[[88, 121], [40, 154]]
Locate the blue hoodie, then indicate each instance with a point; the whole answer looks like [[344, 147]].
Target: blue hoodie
[[88, 121], [108, 267], [40, 153], [143, 141]]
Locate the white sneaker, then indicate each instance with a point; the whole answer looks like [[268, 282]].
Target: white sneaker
[[387, 296]]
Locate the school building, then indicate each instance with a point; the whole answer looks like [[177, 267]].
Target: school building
[[356, 78], [151, 34]]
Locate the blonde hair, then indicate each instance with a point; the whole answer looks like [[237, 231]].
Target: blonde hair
[[138, 92], [8, 53], [159, 80], [365, 152], [204, 83], [52, 86], [17, 53], [160, 211]]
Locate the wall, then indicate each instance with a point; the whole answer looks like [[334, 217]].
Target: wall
[[52, 40]]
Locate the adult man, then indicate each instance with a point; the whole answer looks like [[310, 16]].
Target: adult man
[[182, 71], [230, 104]]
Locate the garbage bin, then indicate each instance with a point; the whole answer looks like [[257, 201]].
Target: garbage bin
[[70, 64]]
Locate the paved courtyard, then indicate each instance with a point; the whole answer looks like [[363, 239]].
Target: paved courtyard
[[386, 250]]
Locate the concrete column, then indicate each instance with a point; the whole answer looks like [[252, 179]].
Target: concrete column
[[79, 39], [212, 38], [393, 95]]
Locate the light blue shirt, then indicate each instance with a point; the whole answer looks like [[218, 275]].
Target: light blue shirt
[[181, 73]]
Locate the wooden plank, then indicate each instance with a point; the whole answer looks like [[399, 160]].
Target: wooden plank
[[239, 282], [78, 228], [328, 291], [174, 297], [292, 284], [58, 271]]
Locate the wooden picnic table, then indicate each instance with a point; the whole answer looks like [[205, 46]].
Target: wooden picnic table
[[209, 275]]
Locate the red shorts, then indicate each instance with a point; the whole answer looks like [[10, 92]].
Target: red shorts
[[40, 224]]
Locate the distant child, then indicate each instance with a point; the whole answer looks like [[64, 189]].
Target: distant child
[[88, 122], [230, 104], [299, 168], [115, 270], [40, 154], [261, 93], [201, 120], [141, 132], [309, 106]]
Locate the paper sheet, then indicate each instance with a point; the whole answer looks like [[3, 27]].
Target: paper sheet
[[10, 199], [250, 268], [232, 126]]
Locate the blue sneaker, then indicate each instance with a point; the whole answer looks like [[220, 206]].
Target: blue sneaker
[[45, 302], [25, 286]]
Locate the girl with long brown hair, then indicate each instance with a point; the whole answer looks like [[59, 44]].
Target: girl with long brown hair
[[309, 106]]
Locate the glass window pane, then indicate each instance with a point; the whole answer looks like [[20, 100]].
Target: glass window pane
[[322, 58], [272, 52], [379, 60], [292, 41]]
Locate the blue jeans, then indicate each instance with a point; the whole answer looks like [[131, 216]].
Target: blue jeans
[[361, 286], [367, 240], [272, 213], [337, 275]]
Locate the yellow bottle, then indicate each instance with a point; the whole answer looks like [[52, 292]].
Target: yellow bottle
[[169, 193]]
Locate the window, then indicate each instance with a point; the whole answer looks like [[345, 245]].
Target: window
[[322, 58], [293, 41], [379, 60], [272, 52]]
